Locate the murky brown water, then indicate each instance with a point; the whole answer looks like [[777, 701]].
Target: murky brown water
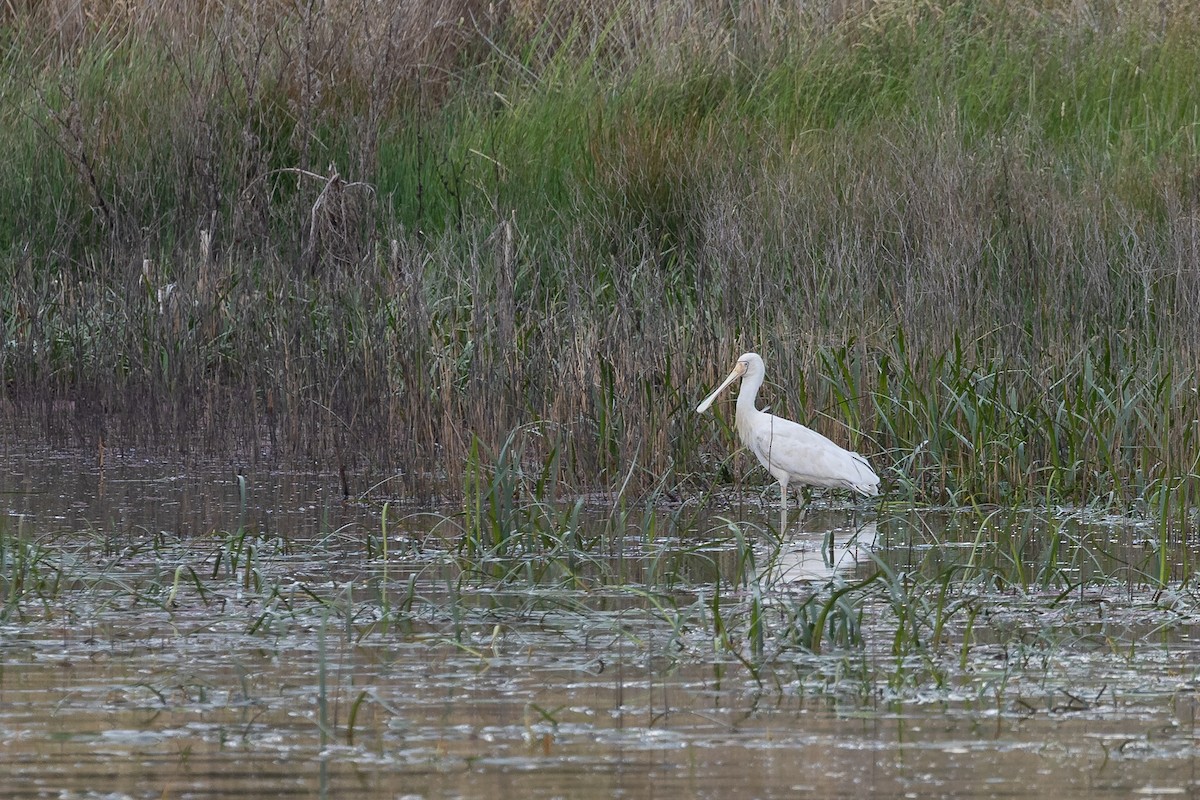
[[168, 656]]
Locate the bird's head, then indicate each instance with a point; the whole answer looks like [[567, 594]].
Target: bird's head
[[747, 363]]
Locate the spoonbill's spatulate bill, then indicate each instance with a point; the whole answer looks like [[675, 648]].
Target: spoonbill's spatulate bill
[[790, 451]]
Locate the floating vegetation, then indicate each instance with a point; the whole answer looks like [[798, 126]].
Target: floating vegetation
[[398, 644], [921, 597]]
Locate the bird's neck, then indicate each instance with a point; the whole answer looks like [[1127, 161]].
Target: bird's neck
[[747, 396], [751, 383]]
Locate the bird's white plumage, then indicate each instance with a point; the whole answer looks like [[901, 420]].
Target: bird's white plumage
[[788, 450]]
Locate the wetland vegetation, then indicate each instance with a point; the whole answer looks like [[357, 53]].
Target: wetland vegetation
[[397, 233], [595, 648]]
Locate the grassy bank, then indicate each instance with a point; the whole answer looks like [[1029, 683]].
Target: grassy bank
[[967, 231]]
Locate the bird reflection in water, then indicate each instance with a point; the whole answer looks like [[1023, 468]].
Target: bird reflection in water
[[819, 556]]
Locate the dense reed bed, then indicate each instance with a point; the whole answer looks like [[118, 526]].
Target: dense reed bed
[[963, 236]]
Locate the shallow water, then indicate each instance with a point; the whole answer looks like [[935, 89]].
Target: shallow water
[[191, 638]]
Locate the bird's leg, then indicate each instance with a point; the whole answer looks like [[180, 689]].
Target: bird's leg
[[805, 495], [783, 500]]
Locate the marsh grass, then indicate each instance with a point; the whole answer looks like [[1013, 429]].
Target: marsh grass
[[962, 236], [26, 574], [973, 604]]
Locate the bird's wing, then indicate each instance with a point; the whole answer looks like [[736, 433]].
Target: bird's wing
[[811, 458]]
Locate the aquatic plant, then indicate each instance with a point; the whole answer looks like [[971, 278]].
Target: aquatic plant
[[27, 573]]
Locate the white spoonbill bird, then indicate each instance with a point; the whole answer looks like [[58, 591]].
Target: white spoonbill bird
[[790, 451]]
